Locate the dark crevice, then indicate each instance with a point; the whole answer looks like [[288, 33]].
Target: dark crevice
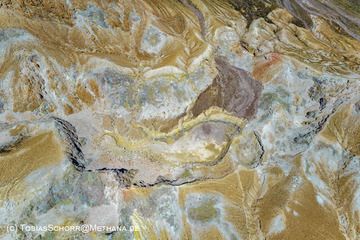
[[74, 152], [258, 139], [306, 137], [123, 176]]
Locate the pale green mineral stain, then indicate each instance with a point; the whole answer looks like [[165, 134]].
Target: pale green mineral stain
[[205, 212]]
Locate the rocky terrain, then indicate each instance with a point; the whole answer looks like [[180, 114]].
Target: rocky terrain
[[180, 119]]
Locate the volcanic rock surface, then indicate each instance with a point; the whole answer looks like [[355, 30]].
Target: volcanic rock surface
[[189, 119]]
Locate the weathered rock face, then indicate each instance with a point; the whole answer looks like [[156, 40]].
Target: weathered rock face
[[343, 14], [191, 119]]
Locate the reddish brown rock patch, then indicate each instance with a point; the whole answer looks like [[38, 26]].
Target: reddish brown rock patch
[[233, 90]]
